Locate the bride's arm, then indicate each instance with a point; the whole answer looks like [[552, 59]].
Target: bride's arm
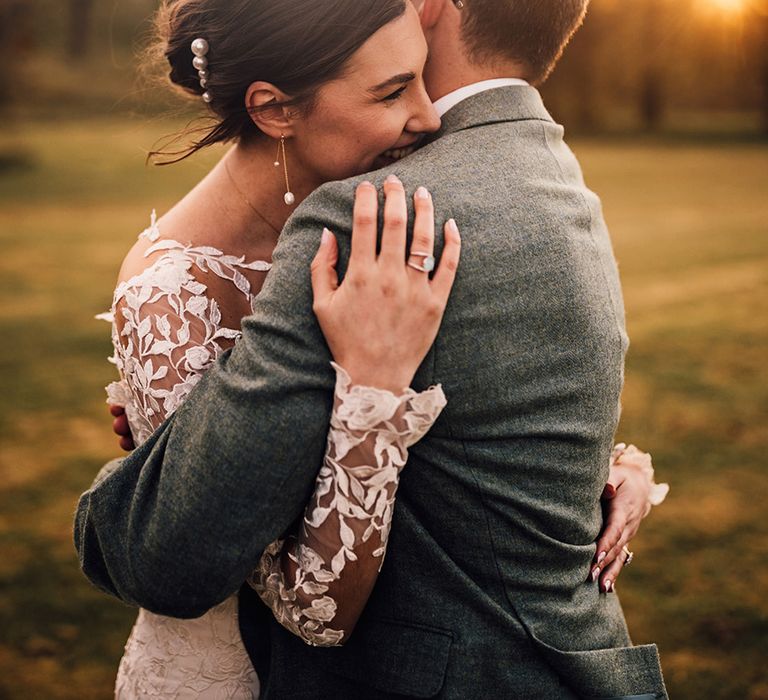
[[220, 459], [317, 581], [167, 330]]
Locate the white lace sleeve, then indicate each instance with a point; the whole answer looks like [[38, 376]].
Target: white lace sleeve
[[318, 581], [167, 329]]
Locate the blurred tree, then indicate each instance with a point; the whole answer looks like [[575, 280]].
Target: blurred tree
[[576, 91], [651, 88], [761, 44], [16, 41], [80, 19], [649, 63], [586, 68]]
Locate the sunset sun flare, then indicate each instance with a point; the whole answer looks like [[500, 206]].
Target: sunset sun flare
[[728, 5]]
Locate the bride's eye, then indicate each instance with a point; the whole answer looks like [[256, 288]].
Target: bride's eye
[[396, 94]]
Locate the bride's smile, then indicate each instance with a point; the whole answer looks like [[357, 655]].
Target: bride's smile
[[375, 113], [396, 153]]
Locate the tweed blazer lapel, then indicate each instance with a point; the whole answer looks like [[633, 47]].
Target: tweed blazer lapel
[[506, 104]]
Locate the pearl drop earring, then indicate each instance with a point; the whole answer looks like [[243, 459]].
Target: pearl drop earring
[[289, 197]]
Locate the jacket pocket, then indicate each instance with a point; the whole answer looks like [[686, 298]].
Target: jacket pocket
[[395, 657], [621, 673]]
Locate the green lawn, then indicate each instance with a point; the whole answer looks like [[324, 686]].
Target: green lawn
[[690, 224]]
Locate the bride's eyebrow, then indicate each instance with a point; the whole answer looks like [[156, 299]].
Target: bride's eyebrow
[[394, 81]]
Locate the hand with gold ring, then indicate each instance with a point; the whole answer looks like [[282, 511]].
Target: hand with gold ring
[[630, 555], [626, 501]]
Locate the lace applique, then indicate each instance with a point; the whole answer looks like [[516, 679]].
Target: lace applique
[[186, 659], [346, 524], [152, 233], [659, 492], [167, 330]]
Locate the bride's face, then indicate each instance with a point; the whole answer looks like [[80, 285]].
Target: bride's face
[[375, 113]]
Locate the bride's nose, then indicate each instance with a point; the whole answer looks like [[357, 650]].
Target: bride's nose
[[424, 118]]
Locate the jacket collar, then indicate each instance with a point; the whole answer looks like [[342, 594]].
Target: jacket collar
[[506, 104]]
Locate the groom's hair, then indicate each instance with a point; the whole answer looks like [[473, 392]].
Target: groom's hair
[[531, 32]]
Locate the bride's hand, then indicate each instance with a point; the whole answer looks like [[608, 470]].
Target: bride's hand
[[627, 497], [121, 428], [382, 320]]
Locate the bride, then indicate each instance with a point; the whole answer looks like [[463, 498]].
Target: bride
[[303, 102]]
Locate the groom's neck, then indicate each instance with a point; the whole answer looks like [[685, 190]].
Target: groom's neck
[[443, 79], [450, 66]]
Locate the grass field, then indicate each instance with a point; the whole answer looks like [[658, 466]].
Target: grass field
[[690, 224]]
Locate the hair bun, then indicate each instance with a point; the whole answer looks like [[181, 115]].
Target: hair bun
[[183, 73], [179, 22], [293, 44]]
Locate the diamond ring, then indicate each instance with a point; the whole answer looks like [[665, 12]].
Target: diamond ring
[[427, 266], [630, 555]]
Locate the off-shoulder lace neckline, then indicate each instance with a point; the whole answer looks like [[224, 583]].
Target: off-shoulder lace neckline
[[202, 252], [205, 257]]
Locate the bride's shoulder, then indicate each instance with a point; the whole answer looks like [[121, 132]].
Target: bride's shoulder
[[161, 260], [150, 248]]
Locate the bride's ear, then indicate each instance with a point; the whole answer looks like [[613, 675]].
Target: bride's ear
[[266, 106]]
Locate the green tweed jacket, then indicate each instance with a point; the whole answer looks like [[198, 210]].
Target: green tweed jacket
[[485, 591]]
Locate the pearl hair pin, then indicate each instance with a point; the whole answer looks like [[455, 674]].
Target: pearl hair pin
[[200, 49]]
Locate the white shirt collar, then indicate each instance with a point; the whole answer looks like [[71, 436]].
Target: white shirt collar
[[444, 104]]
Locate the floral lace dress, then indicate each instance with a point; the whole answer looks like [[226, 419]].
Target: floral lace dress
[[167, 330]]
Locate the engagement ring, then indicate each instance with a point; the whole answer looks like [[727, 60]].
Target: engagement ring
[[427, 266], [630, 555]]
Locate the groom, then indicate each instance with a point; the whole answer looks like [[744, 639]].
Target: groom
[[484, 592]]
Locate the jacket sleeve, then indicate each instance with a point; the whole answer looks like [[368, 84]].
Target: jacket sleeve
[[177, 526]]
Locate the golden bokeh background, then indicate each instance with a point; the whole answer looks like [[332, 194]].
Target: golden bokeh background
[[666, 104]]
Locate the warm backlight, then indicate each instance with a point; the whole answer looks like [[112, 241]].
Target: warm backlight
[[728, 5]]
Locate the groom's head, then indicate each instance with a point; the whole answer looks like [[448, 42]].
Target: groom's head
[[500, 36]]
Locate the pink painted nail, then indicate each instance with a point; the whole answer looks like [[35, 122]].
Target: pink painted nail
[[393, 179], [595, 573], [602, 557], [422, 193]]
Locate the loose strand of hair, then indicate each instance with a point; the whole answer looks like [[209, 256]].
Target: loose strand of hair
[[163, 147]]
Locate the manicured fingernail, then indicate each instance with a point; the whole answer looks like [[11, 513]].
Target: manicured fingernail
[[422, 193], [326, 237], [621, 446], [393, 180], [366, 183], [595, 573], [602, 557], [454, 227], [608, 585]]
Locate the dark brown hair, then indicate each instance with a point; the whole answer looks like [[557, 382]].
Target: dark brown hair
[[297, 45], [532, 32]]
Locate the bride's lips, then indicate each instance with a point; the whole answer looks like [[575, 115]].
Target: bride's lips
[[395, 154], [399, 153]]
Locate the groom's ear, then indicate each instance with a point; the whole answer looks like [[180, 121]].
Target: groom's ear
[[266, 106], [430, 12]]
